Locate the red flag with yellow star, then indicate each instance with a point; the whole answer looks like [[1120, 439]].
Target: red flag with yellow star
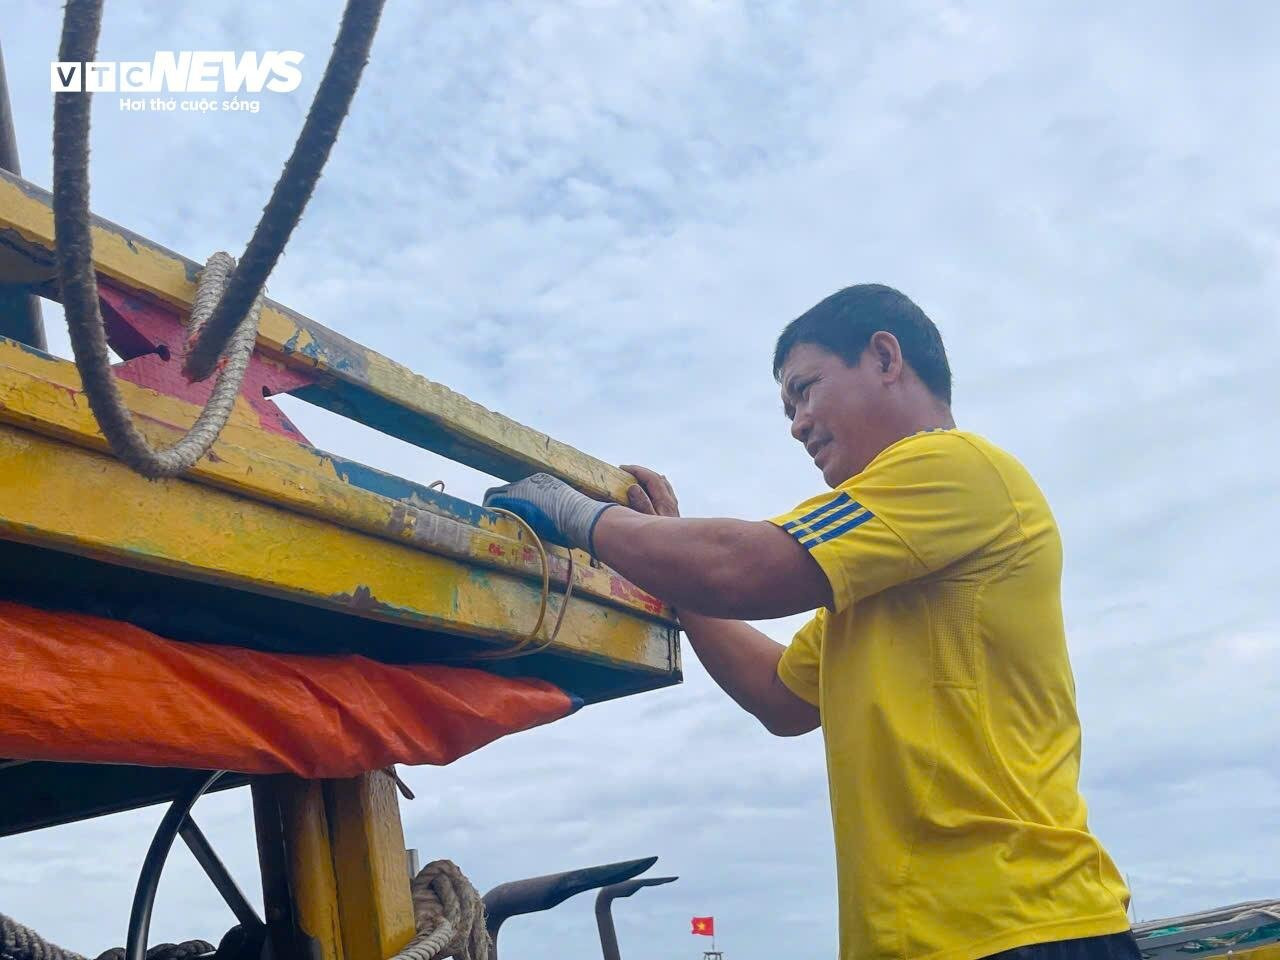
[[704, 926]]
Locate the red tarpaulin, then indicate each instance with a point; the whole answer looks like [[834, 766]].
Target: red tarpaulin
[[79, 688]]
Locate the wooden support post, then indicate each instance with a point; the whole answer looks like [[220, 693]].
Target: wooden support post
[[374, 902], [299, 889]]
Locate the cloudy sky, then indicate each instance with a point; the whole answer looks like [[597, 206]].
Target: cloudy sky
[[596, 216]]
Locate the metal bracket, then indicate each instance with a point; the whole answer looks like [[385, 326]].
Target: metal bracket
[[535, 894]]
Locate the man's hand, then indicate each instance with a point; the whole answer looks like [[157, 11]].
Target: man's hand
[[741, 659], [557, 513], [652, 493]]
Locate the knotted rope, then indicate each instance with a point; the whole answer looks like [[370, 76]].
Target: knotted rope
[[241, 294], [449, 915]]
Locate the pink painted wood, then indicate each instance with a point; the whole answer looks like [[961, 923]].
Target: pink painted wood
[[151, 338]]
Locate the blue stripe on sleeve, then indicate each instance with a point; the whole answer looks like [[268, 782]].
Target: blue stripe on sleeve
[[832, 533], [831, 518], [835, 502]]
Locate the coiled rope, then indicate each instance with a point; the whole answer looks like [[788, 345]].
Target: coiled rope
[[226, 327], [20, 942]]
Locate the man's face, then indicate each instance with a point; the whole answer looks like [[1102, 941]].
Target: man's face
[[833, 408]]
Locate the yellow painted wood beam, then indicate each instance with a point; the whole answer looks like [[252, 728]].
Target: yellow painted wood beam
[[359, 382], [42, 393], [300, 889], [91, 504], [374, 902]]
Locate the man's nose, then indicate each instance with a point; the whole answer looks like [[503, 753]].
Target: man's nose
[[800, 427]]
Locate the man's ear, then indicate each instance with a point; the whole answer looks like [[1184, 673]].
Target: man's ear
[[886, 350]]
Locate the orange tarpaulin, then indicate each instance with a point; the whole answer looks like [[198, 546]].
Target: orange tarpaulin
[[81, 688]]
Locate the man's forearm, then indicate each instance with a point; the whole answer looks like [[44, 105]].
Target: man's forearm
[[722, 568], [696, 565], [739, 658], [744, 663]]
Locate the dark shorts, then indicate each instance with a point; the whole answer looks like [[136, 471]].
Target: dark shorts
[[1114, 946]]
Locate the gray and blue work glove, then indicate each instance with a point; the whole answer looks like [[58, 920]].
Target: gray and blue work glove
[[556, 512]]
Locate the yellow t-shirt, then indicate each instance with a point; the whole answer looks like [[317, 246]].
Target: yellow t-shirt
[[948, 709]]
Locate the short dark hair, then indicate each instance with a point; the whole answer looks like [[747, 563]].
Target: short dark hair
[[845, 321]]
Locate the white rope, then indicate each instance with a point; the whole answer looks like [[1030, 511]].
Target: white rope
[[449, 915], [108, 405]]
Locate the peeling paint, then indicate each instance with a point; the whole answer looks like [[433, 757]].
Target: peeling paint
[[362, 600], [15, 240], [399, 521], [407, 491], [626, 590]]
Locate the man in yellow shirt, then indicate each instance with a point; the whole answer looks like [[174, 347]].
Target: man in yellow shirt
[[936, 663]]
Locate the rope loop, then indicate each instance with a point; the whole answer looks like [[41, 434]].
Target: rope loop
[[528, 644], [449, 915], [115, 420], [221, 333]]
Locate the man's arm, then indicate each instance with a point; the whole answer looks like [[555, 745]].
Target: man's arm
[[739, 658], [734, 569], [744, 662]]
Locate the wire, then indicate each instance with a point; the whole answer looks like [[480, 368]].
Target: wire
[[528, 644]]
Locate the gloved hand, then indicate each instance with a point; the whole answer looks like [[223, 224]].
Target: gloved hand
[[556, 512]]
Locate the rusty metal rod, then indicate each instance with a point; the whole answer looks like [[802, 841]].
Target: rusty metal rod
[[19, 310], [604, 910]]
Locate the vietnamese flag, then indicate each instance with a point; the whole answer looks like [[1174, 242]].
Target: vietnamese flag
[[704, 926]]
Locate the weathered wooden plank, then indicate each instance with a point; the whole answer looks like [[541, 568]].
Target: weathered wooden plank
[[374, 902], [91, 504], [358, 382], [300, 890], [42, 393]]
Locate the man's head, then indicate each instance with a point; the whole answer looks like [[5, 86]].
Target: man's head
[[859, 371]]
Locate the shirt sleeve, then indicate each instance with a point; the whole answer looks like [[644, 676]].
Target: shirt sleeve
[[799, 667], [920, 506]]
